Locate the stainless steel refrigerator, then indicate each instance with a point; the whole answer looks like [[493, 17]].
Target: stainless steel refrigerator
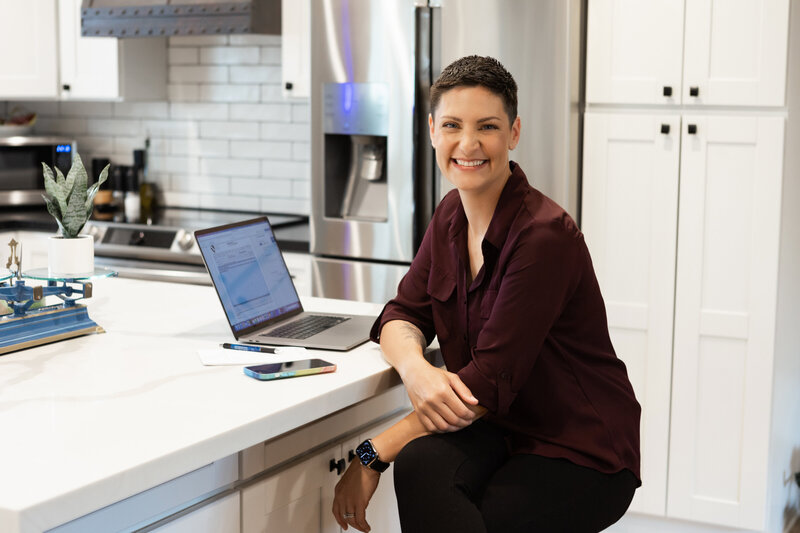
[[374, 182]]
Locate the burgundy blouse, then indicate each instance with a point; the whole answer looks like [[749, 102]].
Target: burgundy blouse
[[529, 335]]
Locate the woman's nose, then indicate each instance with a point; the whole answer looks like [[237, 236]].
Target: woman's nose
[[469, 140]]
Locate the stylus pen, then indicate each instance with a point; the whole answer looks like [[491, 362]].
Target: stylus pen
[[248, 348]]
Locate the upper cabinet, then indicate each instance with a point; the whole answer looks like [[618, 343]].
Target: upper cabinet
[[296, 48], [28, 62], [729, 53], [45, 56]]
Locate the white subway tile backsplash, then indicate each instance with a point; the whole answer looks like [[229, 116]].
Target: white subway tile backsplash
[[225, 138], [199, 111], [284, 169], [230, 167], [198, 40], [285, 132], [85, 109], [270, 55], [262, 187], [198, 74], [184, 56], [228, 130], [141, 110], [182, 92], [247, 40], [108, 126], [201, 147], [261, 149], [229, 55], [230, 93], [232, 203], [262, 112], [255, 74]]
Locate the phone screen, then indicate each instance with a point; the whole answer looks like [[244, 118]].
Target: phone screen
[[289, 369]]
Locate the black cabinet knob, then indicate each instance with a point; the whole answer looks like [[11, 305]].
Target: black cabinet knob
[[692, 129], [667, 90], [289, 86], [350, 456], [694, 91], [337, 465], [66, 87], [665, 128]]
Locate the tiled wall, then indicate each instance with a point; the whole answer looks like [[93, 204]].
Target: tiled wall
[[224, 139]]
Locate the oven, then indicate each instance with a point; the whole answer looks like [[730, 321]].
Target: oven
[[21, 158], [166, 249]]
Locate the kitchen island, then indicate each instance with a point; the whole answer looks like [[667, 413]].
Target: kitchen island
[[92, 426]]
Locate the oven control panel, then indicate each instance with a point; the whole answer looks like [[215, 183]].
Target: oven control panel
[[143, 242]]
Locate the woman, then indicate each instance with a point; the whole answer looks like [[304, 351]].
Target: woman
[[534, 425]]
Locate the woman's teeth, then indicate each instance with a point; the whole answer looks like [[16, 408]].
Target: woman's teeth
[[475, 163]]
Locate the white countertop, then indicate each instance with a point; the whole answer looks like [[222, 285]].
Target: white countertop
[[89, 421]]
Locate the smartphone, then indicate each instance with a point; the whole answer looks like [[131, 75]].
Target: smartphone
[[289, 369]]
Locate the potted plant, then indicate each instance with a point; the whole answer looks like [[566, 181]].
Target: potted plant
[[69, 200]]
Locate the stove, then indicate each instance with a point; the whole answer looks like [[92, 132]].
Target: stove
[[165, 249]]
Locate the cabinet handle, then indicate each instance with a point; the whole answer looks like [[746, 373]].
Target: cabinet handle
[[337, 465], [350, 456], [667, 90], [694, 91], [66, 87], [692, 129], [289, 86], [665, 129]]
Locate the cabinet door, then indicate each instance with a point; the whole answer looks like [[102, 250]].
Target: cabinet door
[[296, 48], [28, 66], [89, 65], [726, 287], [297, 499], [735, 52], [221, 516], [629, 218], [634, 51]]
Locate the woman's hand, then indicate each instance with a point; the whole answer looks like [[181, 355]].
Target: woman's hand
[[439, 398], [352, 495]]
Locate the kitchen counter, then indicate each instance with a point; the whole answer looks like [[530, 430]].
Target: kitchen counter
[[90, 421]]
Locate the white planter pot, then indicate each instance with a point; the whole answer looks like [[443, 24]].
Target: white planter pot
[[70, 258]]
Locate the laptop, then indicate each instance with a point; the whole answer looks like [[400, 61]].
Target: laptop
[[259, 297]]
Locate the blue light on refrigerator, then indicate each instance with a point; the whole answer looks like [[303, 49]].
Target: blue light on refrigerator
[[63, 148]]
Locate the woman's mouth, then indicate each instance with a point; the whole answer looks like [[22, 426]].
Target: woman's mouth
[[469, 163]]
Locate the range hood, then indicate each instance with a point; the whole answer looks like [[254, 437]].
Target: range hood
[[164, 18]]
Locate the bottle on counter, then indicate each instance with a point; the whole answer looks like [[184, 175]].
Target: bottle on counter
[[147, 191], [133, 203], [118, 177]]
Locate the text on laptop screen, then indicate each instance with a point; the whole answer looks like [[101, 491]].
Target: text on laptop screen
[[249, 274]]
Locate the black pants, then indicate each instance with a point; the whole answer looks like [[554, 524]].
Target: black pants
[[466, 482]]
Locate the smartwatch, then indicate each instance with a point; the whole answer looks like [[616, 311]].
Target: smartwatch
[[369, 457]]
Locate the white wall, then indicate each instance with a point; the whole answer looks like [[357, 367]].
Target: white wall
[[224, 139]]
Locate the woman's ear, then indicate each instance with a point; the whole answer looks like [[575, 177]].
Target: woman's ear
[[515, 130], [430, 126]]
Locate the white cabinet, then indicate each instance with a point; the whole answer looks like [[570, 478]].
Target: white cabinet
[[221, 516], [29, 60], [725, 318], [106, 68], [630, 213], [45, 56], [730, 53], [296, 48]]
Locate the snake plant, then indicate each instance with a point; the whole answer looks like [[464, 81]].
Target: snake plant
[[70, 199]]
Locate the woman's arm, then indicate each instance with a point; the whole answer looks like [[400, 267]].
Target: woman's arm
[[358, 484], [440, 398]]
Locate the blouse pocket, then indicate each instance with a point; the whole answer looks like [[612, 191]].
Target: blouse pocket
[[441, 288]]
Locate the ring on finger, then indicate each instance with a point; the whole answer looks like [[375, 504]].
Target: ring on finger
[[348, 515]]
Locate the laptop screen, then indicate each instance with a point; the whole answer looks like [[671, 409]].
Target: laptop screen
[[248, 271]]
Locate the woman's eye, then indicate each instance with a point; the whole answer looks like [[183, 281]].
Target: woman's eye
[[489, 127], [449, 125]]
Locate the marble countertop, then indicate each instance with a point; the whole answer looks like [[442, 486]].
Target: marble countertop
[[89, 421]]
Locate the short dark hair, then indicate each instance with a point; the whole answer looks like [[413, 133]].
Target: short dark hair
[[477, 71]]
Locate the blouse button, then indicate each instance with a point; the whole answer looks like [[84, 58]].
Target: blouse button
[[504, 376]]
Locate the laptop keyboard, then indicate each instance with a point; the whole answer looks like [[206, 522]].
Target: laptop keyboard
[[306, 327]]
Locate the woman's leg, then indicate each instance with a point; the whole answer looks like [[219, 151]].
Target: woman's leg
[[439, 479], [530, 493]]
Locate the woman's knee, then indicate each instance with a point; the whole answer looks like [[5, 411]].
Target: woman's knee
[[410, 465]]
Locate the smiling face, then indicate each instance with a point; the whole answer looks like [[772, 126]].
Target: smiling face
[[471, 134]]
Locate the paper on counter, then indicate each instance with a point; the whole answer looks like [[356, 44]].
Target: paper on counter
[[223, 356]]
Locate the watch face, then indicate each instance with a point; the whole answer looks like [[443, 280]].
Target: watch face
[[366, 452]]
